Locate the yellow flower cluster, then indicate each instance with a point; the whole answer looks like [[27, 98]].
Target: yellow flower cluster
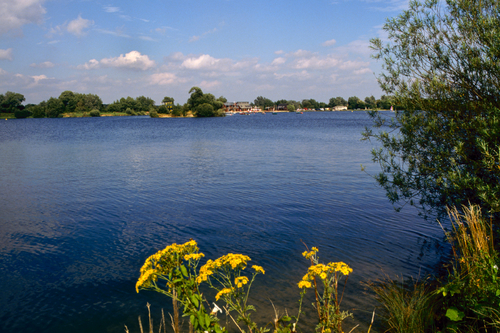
[[259, 269], [240, 281], [229, 261], [194, 256], [162, 262], [323, 272], [222, 292], [145, 279], [308, 255]]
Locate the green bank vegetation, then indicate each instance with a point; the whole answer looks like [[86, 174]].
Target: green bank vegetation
[[199, 104]]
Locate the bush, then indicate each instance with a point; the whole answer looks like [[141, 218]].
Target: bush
[[22, 113], [163, 109], [95, 113], [153, 114], [130, 112]]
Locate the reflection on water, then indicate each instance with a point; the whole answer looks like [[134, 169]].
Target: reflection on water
[[85, 201]]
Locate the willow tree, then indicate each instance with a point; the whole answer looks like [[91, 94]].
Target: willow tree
[[441, 64]]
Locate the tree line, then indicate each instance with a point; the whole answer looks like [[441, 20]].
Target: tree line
[[200, 104]]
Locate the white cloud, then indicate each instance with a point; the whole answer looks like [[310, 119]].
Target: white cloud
[[46, 64], [2, 71], [202, 62], [279, 52], [109, 9], [330, 42], [91, 64], [16, 13], [77, 26], [6, 54], [278, 61], [163, 79], [209, 84], [131, 60]]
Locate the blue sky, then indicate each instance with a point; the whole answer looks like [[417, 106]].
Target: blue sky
[[238, 49]]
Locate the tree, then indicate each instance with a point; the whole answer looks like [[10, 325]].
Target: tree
[[441, 66], [144, 103], [370, 102], [11, 102], [167, 99], [54, 108], [263, 102], [384, 103], [198, 99], [337, 101], [355, 103]]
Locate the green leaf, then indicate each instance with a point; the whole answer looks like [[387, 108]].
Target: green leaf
[[201, 319], [207, 319], [497, 293], [184, 271], [454, 314], [192, 319], [194, 300], [285, 318]]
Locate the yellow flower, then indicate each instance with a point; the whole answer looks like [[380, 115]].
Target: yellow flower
[[323, 276], [304, 284], [259, 269], [240, 281], [222, 292], [145, 279]]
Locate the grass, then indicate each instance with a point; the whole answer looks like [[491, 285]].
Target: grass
[[7, 116]]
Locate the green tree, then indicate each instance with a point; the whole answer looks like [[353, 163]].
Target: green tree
[[54, 108], [198, 100], [11, 102], [167, 99], [355, 103], [337, 101], [441, 65], [263, 102], [144, 103], [384, 103], [370, 102]]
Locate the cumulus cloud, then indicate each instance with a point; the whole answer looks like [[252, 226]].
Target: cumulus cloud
[[330, 42], [6, 54], [77, 26], [278, 61], [163, 79], [131, 60], [202, 62], [91, 64], [16, 13], [46, 64]]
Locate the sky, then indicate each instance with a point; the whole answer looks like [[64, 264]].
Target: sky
[[239, 49]]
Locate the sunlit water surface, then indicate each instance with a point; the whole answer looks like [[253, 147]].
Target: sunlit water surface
[[85, 201]]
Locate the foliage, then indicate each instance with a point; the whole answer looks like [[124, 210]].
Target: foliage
[[22, 113], [163, 109], [327, 294], [337, 101], [409, 307], [441, 67], [153, 114], [291, 107], [176, 268], [263, 102], [355, 103], [11, 102], [94, 113], [54, 108], [204, 105], [472, 292], [167, 99], [310, 104]]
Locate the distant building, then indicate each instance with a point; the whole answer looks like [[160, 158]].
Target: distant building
[[340, 108], [237, 106], [282, 107]]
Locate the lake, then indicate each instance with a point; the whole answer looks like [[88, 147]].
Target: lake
[[86, 200]]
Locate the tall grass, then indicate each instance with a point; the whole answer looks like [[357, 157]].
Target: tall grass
[[408, 306]]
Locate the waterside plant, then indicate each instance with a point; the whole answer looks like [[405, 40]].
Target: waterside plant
[[174, 272]]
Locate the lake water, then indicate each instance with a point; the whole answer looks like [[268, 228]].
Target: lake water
[[84, 201]]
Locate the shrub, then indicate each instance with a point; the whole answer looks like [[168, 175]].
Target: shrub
[[153, 114], [130, 112], [22, 113], [95, 113]]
